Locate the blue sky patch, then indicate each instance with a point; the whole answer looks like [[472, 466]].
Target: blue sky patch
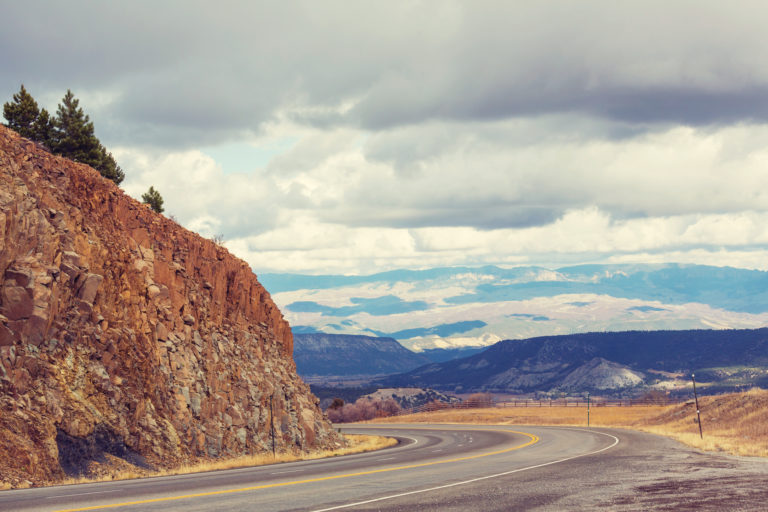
[[379, 306]]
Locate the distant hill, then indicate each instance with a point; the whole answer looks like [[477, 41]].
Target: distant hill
[[604, 362], [439, 355], [318, 354]]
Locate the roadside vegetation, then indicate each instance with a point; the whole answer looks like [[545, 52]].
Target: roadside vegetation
[[363, 409], [735, 423]]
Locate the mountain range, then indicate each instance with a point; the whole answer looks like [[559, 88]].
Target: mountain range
[[465, 306], [604, 363]]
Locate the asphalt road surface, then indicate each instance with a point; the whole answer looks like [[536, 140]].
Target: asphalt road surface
[[453, 468]]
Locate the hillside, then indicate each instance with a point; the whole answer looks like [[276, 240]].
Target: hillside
[[318, 354], [604, 363], [122, 333]]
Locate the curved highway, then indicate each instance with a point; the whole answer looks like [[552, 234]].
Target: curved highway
[[446, 467]]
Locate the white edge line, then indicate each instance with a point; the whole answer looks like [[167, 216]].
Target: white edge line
[[80, 494], [419, 491]]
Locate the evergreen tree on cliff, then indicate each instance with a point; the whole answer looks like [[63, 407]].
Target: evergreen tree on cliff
[[45, 131], [74, 138], [108, 166], [22, 114], [153, 198]]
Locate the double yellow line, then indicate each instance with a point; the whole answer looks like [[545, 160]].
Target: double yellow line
[[532, 440]]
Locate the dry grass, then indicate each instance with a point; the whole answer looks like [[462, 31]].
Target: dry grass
[[355, 444], [599, 416], [736, 423], [117, 469]]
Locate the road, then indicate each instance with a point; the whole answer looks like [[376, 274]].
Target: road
[[455, 468]]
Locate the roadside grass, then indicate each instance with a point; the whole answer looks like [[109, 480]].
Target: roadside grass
[[355, 444], [735, 423], [118, 469]]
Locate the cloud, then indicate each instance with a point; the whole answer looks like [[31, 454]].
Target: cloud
[[584, 235], [424, 134], [482, 182], [198, 192], [322, 205], [187, 73]]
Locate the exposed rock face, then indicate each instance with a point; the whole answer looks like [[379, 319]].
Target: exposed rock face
[[408, 398], [601, 374], [117, 323]]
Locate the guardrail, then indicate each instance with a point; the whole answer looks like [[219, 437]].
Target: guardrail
[[580, 402]]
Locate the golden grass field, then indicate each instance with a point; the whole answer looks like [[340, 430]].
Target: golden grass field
[[117, 469], [735, 423]]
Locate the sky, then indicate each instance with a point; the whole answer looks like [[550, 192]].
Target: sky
[[359, 136]]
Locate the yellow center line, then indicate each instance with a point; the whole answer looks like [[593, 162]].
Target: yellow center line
[[533, 440]]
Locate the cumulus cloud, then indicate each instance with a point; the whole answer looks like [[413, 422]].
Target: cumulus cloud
[[198, 192], [584, 235], [488, 184]]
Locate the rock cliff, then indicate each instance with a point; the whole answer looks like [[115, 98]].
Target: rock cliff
[[123, 333]]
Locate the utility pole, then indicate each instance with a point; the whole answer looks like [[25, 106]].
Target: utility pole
[[587, 408], [272, 424], [696, 399]]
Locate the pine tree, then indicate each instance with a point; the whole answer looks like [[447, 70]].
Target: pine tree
[[74, 133], [73, 137], [108, 166], [22, 113], [153, 199], [70, 133], [45, 131]]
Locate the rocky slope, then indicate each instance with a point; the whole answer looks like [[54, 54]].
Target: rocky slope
[[122, 333]]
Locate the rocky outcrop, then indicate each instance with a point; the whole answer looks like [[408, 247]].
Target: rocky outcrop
[[118, 324], [601, 374]]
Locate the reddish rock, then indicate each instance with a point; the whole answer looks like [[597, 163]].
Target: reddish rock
[[90, 287], [117, 322], [16, 302]]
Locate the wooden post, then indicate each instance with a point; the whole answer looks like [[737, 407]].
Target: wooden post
[[272, 424], [696, 399]]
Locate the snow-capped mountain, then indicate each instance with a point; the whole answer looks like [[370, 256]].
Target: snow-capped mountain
[[455, 307]]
